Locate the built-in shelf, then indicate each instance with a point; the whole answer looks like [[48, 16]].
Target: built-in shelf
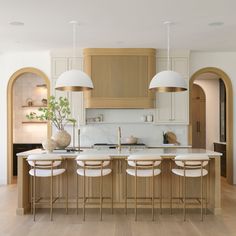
[[34, 122], [121, 122], [33, 106]]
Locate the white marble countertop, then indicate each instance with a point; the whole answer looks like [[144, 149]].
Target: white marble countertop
[[170, 146], [126, 152]]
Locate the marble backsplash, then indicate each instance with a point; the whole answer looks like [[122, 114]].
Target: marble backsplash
[[149, 134]]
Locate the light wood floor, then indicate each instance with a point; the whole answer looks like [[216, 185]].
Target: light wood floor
[[117, 224]]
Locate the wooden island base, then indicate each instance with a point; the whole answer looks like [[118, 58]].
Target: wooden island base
[[211, 184]]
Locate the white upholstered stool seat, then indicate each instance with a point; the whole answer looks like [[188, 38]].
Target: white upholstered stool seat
[[93, 173], [143, 173], [94, 163], [46, 173], [190, 173], [45, 164]]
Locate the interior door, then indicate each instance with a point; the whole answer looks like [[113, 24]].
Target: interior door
[[198, 117]]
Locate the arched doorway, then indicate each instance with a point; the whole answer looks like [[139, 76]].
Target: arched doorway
[[229, 115], [11, 83]]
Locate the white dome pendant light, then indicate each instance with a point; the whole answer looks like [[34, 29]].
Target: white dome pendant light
[[168, 80], [74, 80]]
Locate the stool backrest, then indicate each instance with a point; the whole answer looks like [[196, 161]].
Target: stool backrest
[[92, 161], [44, 161], [144, 161], [193, 161]]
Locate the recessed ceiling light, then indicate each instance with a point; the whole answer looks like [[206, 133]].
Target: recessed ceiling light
[[216, 23], [17, 23]]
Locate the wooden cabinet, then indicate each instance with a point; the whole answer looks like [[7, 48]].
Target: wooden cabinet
[[60, 64], [22, 147], [172, 108], [121, 77], [221, 147]]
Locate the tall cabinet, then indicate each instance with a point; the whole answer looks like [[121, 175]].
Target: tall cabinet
[[173, 108], [62, 61]]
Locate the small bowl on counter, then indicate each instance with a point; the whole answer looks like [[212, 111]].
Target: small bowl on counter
[[131, 140]]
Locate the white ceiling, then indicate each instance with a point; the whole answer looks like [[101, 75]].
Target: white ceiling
[[117, 23]]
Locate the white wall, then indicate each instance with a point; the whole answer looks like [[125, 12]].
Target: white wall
[[211, 89], [9, 63], [225, 61]]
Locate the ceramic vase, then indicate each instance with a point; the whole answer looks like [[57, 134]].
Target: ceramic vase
[[62, 139], [49, 145]]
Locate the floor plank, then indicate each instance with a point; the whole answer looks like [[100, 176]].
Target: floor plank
[[117, 224]]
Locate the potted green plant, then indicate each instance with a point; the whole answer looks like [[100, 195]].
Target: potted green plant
[[59, 114]]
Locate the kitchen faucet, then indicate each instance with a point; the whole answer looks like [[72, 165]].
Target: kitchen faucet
[[119, 139]]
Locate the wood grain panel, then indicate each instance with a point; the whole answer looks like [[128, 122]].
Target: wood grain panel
[[120, 76]]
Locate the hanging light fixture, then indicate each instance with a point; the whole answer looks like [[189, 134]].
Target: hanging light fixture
[[168, 80], [74, 80]]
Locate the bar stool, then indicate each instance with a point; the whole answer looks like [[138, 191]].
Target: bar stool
[[45, 166], [144, 166], [191, 166], [94, 166]]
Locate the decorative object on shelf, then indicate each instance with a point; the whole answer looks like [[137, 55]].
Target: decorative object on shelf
[[165, 138], [49, 144], [168, 80], [101, 117], [143, 118], [29, 102], [57, 112], [131, 140], [41, 86], [74, 80], [44, 101], [149, 118], [32, 116]]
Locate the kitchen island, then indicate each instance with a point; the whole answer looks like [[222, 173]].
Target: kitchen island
[[119, 168]]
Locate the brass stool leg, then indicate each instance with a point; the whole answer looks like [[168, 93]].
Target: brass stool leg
[[171, 187], [153, 192], [34, 191], [101, 189], [126, 190], [135, 192], [84, 195], [31, 194], [112, 192], [66, 187], [179, 189], [161, 191], [77, 194], [184, 194], [206, 192], [201, 194], [51, 194]]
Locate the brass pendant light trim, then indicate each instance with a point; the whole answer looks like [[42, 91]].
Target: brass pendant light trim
[[73, 88], [168, 89]]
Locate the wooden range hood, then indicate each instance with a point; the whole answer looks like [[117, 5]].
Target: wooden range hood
[[121, 77]]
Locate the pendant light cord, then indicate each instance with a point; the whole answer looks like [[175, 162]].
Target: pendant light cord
[[168, 45], [74, 23], [74, 40]]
